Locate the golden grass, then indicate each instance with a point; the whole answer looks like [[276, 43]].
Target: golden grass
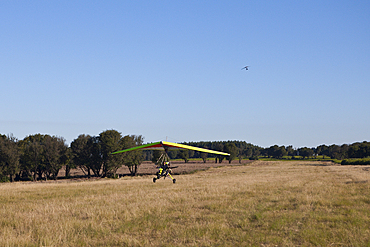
[[260, 204]]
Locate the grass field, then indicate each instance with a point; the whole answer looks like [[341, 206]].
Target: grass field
[[262, 203]]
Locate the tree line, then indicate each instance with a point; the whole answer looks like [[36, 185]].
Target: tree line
[[339, 152], [43, 156]]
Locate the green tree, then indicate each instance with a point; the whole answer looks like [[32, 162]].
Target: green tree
[[81, 154], [323, 150], [55, 151], [353, 151], [69, 164], [9, 156], [256, 151], [156, 155], [204, 156], [110, 141], [248, 152], [3, 177], [231, 148], [132, 159], [290, 151], [276, 152], [172, 153], [335, 152], [271, 151], [96, 157], [86, 155], [281, 152], [183, 154], [359, 150], [306, 152], [218, 146], [32, 156]]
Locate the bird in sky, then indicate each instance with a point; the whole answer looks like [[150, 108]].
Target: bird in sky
[[246, 67]]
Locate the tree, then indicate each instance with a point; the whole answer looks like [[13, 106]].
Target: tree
[[55, 151], [276, 152], [156, 155], [86, 154], [232, 150], [256, 152], [218, 146], [134, 158], [359, 150], [96, 157], [183, 154], [81, 154], [172, 153], [69, 164], [335, 152], [32, 156], [322, 150], [353, 151], [305, 152], [270, 151], [344, 151], [204, 156], [9, 156], [281, 152], [3, 177], [110, 141], [248, 152], [290, 151]]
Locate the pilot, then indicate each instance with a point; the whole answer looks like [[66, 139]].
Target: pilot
[[164, 169], [166, 165]]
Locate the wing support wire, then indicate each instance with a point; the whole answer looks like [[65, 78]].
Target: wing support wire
[[162, 159]]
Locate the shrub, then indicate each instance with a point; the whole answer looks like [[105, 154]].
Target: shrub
[[4, 179], [365, 161]]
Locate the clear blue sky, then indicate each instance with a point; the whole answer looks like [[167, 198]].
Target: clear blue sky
[[173, 69]]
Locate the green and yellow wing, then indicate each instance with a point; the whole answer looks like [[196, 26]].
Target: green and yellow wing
[[163, 145]]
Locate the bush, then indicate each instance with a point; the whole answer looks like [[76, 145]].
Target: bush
[[365, 161], [4, 179]]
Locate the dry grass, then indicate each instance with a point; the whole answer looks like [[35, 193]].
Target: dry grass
[[259, 204]]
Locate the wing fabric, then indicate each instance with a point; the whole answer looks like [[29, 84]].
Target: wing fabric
[[170, 145], [183, 146], [150, 146]]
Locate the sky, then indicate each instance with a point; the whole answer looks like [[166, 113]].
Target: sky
[[172, 70]]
